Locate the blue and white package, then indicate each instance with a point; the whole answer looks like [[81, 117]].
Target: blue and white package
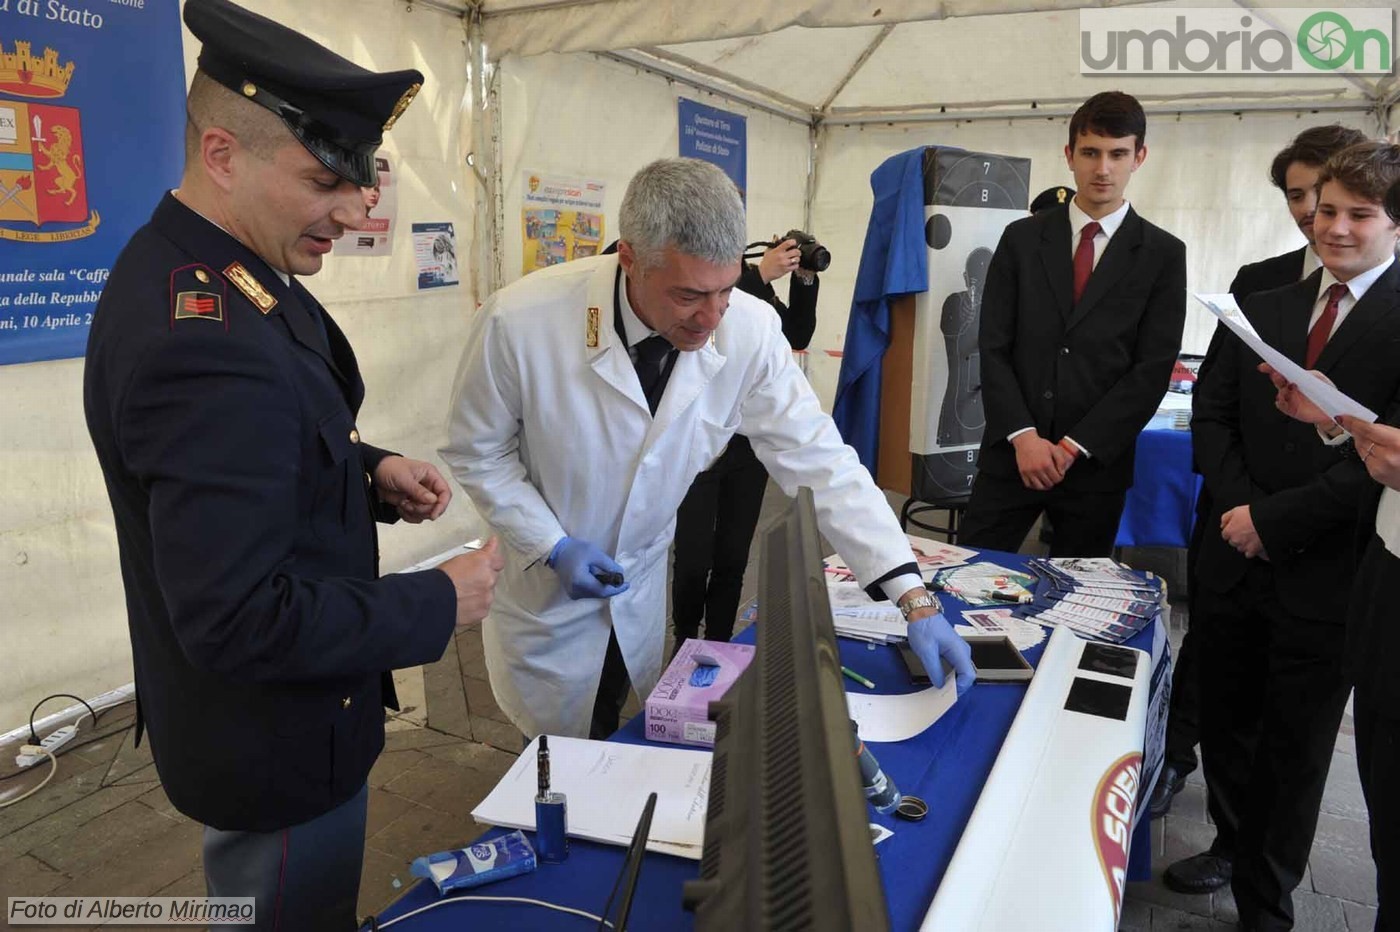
[[477, 864]]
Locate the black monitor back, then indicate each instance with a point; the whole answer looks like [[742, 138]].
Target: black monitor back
[[787, 837]]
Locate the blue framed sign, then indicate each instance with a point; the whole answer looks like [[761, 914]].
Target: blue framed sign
[[716, 136], [92, 115]]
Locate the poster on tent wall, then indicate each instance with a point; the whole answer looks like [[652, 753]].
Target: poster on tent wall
[[92, 115], [435, 254], [716, 136], [561, 219], [375, 237], [969, 198]]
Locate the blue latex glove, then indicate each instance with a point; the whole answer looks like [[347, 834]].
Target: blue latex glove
[[575, 562], [934, 642]]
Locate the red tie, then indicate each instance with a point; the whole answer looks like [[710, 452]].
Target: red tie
[[1317, 336], [1084, 258]]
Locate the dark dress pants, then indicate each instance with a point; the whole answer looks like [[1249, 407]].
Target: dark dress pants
[[1272, 698], [1184, 716], [1378, 760], [1001, 511], [306, 877], [613, 687], [714, 528]]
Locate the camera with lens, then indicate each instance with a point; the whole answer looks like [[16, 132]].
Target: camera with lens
[[814, 256]]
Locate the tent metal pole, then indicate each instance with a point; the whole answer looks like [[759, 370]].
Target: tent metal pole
[[860, 116], [443, 6], [752, 87], [1367, 87], [671, 73], [813, 154], [545, 7], [859, 63], [485, 162]]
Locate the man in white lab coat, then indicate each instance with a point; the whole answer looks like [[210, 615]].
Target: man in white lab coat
[[590, 394]]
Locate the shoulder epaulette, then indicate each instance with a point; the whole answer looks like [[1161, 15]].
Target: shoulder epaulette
[[197, 292]]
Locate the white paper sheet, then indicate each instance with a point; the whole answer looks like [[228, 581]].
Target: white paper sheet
[[607, 784], [899, 718], [1325, 396]]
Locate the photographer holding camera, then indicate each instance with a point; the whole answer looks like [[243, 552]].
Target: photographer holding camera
[[712, 539]]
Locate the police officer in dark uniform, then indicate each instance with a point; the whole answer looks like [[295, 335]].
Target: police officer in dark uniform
[[221, 399]]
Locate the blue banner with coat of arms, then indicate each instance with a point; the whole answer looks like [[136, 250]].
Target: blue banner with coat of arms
[[92, 114]]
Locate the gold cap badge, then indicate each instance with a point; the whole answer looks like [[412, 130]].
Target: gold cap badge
[[402, 105]]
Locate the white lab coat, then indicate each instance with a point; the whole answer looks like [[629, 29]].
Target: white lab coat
[[551, 436]]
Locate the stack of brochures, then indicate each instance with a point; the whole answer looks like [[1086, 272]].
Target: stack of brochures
[[1097, 598], [856, 615]]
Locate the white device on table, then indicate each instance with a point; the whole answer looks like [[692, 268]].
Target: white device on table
[[1047, 846]]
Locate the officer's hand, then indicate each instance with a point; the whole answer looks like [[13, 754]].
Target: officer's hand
[[474, 577], [576, 562], [779, 260], [414, 487], [933, 641]]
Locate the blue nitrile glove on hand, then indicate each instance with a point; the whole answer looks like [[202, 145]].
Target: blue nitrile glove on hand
[[576, 562], [934, 641]]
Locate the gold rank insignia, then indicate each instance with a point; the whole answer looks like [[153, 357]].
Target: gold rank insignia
[[1060, 194], [201, 304], [402, 105], [252, 289], [592, 338]]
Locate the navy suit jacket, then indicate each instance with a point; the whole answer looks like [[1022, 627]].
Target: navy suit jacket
[[226, 434]]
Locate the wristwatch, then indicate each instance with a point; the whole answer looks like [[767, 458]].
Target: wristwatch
[[927, 600]]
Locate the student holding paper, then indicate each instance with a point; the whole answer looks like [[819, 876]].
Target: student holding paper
[[1274, 579], [1294, 172], [1373, 638]]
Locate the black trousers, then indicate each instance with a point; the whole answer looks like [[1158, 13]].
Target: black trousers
[[1184, 716], [1000, 514], [714, 528], [612, 692], [1378, 760], [1272, 693]]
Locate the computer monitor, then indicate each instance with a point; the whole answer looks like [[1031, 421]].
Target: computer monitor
[[787, 836]]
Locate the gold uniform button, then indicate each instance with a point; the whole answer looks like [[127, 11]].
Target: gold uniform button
[[250, 89], [354, 436], [202, 275], [345, 703]]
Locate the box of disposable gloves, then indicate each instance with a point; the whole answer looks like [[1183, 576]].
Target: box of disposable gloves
[[700, 673]]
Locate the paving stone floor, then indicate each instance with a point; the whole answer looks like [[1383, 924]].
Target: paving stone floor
[[103, 826]]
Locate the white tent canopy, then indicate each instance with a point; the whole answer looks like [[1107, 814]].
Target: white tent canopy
[[919, 60]]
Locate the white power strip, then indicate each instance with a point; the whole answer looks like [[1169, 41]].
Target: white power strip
[[28, 758]]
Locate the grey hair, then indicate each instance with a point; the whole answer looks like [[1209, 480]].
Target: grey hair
[[685, 203]]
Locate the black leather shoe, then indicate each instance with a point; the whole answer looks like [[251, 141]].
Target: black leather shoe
[[1168, 785], [1200, 873]]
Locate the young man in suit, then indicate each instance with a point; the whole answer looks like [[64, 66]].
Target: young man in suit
[[1081, 323], [1294, 172], [1274, 579]]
